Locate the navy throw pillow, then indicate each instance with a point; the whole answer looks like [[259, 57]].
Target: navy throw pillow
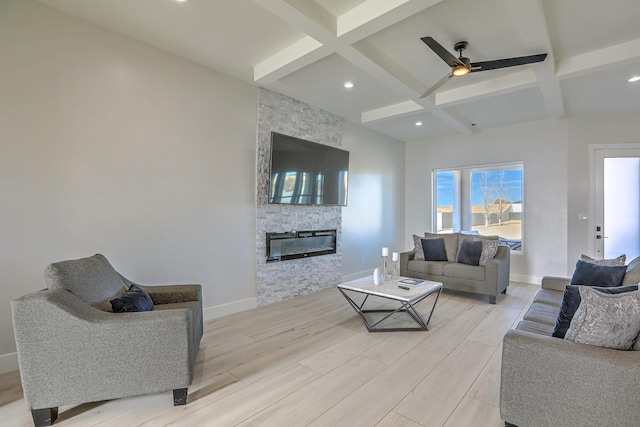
[[434, 249], [589, 274], [571, 300], [136, 299], [470, 251]]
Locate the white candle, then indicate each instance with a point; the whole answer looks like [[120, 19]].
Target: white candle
[[385, 251], [395, 256]]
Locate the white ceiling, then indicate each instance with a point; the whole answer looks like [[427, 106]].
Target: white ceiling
[[306, 49]]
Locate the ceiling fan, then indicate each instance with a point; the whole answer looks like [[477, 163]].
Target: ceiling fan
[[461, 65]]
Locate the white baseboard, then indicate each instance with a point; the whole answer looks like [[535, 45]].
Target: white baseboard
[[358, 275], [525, 279], [8, 362], [216, 311]]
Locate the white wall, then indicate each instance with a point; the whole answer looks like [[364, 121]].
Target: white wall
[[542, 146], [611, 129], [108, 145], [111, 146], [374, 216]]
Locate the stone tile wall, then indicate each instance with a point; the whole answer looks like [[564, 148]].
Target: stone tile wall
[[277, 281]]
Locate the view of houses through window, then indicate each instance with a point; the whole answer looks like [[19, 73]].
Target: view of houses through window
[[485, 200]]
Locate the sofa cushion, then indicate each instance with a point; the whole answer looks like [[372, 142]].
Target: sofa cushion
[[606, 320], [434, 249], [464, 271], [549, 297], [535, 327], [427, 267], [589, 274], [571, 301], [450, 243], [91, 279], [469, 252], [632, 274], [135, 299], [542, 313], [417, 248], [621, 260]]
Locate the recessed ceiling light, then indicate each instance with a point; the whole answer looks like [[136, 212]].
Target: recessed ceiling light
[[181, 1], [418, 123], [348, 85], [634, 79]]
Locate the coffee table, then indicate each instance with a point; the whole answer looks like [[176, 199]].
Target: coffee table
[[406, 299]]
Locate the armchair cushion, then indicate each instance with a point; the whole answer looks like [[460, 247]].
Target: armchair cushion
[[135, 299], [91, 279]]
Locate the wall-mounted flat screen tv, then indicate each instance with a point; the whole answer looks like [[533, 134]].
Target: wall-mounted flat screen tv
[[307, 173]]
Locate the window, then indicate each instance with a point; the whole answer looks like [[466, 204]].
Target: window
[[484, 200]]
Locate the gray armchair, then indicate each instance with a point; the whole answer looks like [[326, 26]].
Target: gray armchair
[[72, 349]]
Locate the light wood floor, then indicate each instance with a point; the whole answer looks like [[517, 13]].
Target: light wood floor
[[311, 361]]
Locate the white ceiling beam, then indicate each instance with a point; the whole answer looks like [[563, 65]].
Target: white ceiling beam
[[516, 81], [531, 22], [371, 16], [296, 56], [599, 60], [389, 112], [374, 62], [361, 22], [303, 16], [353, 26]]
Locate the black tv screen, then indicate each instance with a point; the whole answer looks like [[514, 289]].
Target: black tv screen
[[307, 173]]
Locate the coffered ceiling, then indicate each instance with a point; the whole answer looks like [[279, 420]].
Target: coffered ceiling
[[307, 49]]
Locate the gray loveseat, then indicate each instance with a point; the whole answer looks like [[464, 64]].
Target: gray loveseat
[[72, 349], [491, 279], [548, 381]]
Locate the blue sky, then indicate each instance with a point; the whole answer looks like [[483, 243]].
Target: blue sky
[[512, 182]]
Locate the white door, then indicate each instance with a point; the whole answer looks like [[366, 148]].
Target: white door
[[617, 203]]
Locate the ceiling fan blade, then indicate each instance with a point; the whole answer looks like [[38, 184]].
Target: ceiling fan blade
[[436, 86], [507, 62], [443, 53]]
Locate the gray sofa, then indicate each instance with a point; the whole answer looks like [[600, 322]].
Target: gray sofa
[[548, 381], [491, 279], [72, 349]]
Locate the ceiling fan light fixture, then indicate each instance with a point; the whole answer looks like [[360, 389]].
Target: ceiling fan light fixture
[[460, 70]]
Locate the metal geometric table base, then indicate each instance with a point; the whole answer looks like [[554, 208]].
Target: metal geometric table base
[[405, 307]]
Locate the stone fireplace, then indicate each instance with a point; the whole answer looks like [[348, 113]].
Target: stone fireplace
[[284, 279], [300, 244]]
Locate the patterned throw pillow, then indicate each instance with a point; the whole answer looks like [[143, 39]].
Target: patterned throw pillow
[[571, 301], [417, 247], [606, 320], [489, 249], [621, 260]]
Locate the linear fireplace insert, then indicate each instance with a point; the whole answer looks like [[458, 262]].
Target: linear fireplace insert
[[300, 244]]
